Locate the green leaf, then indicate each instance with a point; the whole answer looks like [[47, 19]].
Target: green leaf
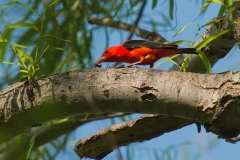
[[212, 21], [32, 141], [38, 58], [24, 71], [8, 62], [24, 55], [171, 5], [20, 138], [182, 28], [205, 61], [3, 40], [179, 42], [18, 45], [72, 119], [64, 61], [57, 121], [21, 64], [52, 3], [221, 11], [228, 3], [50, 35], [209, 2], [21, 25], [169, 59], [154, 3], [209, 39], [29, 58], [23, 5], [20, 53]]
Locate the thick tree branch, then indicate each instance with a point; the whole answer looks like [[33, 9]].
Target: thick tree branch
[[208, 99], [106, 140]]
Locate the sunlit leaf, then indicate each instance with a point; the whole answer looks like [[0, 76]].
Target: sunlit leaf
[[221, 11], [21, 25], [8, 62], [24, 55], [20, 54], [24, 71], [23, 5], [64, 61], [209, 39], [212, 21], [50, 35], [182, 28], [32, 141], [3, 40], [19, 46], [211, 1], [38, 58], [179, 42], [58, 121], [228, 3], [205, 61], [169, 59], [52, 3]]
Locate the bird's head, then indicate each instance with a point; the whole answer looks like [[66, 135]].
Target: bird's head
[[107, 56]]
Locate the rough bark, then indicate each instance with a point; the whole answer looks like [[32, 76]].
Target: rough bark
[[106, 140], [208, 99]]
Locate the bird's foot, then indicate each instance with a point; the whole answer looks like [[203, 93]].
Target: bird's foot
[[98, 66]]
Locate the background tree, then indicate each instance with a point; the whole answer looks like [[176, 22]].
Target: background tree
[[58, 36]]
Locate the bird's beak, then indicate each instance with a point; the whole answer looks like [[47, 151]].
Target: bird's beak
[[101, 59]]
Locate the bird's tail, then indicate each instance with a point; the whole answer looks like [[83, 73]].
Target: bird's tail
[[188, 50]]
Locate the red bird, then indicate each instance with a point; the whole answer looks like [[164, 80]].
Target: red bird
[[141, 52]]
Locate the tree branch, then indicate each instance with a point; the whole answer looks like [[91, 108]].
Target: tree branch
[[153, 36], [202, 98], [47, 133], [106, 140]]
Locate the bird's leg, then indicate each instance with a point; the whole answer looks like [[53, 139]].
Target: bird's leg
[[151, 65], [131, 65], [141, 60]]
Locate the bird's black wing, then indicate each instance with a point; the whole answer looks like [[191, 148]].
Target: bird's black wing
[[132, 44]]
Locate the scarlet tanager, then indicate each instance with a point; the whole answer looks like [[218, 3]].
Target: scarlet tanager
[[141, 52]]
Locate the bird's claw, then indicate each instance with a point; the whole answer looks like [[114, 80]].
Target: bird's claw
[[98, 65]]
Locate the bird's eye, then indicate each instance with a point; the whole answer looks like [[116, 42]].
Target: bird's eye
[[106, 52]]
